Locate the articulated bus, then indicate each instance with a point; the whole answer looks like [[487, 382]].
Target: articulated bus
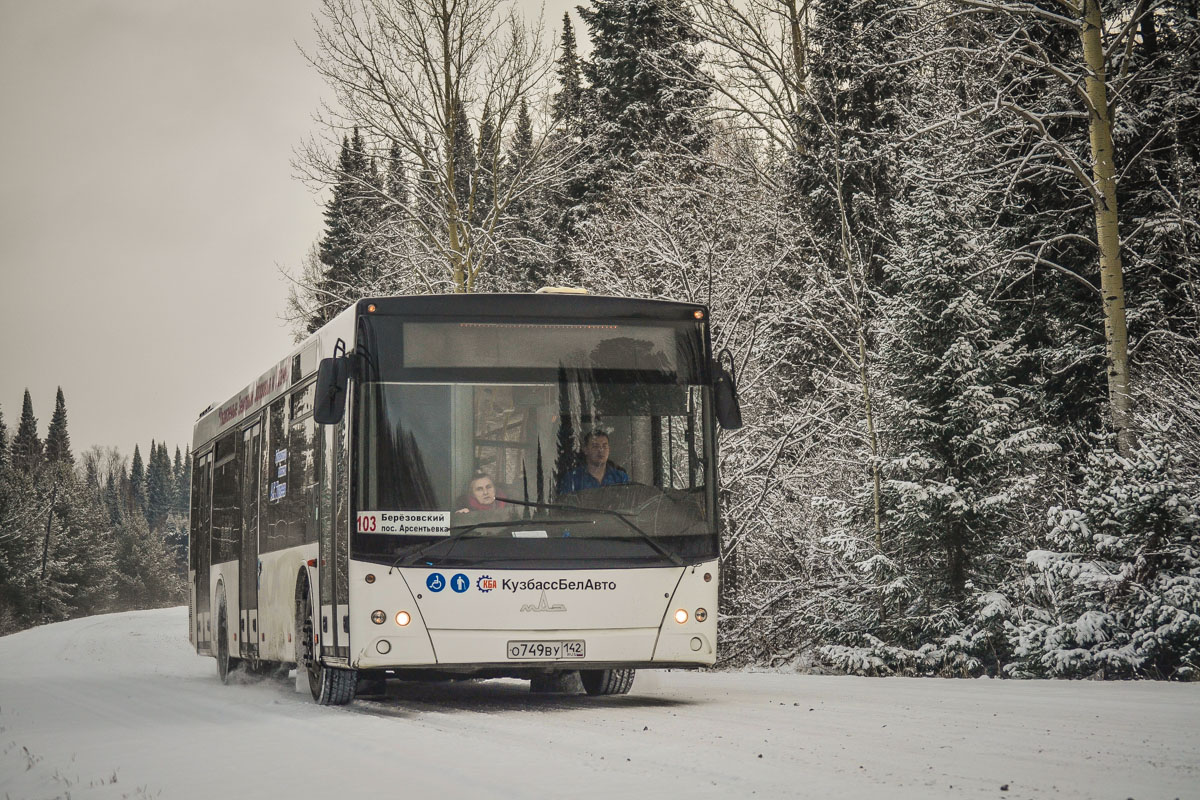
[[467, 486]]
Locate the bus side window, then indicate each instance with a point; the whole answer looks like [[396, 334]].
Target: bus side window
[[275, 484], [301, 475], [226, 505], [201, 510]]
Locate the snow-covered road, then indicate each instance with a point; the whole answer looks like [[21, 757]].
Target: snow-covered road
[[118, 706]]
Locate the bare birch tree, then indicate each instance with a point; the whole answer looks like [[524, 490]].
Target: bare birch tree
[[1019, 30], [416, 74]]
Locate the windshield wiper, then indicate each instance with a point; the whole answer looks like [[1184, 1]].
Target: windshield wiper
[[459, 531], [662, 551]]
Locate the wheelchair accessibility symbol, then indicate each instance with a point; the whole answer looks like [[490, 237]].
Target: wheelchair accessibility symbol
[[435, 582]]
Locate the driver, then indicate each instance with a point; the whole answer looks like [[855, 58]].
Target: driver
[[596, 470]]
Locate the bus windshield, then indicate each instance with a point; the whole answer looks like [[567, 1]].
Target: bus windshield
[[601, 455]]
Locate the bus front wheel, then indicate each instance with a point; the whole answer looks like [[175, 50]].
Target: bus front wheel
[[330, 686], [606, 681]]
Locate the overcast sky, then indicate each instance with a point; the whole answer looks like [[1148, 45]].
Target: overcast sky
[[148, 204]]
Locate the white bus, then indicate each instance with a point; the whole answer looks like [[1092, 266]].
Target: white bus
[[467, 486]]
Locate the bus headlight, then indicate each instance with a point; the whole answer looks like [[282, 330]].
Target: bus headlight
[[701, 615], [378, 617], [681, 616], [403, 618]]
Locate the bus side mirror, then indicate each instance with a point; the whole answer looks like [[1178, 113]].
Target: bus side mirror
[[725, 394], [330, 404]]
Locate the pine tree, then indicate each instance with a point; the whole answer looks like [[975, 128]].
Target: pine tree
[[58, 441], [137, 484], [26, 446]]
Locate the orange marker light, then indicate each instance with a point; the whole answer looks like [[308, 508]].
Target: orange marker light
[[681, 616], [370, 578], [402, 618], [698, 314], [371, 308]]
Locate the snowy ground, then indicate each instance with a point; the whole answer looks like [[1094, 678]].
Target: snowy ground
[[118, 706]]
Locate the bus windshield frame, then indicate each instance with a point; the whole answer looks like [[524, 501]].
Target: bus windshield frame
[[523, 413]]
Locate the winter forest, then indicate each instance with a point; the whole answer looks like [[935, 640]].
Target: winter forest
[[89, 534], [952, 248]]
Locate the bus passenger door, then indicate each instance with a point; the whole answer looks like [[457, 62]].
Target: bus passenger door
[[249, 567], [200, 555], [333, 525]]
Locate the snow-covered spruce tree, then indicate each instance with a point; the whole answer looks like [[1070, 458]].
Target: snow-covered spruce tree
[[567, 107], [22, 508], [182, 477], [146, 575], [1116, 591], [58, 440], [136, 491], [1158, 139], [158, 486], [1072, 54], [342, 252], [527, 255], [722, 238], [646, 92], [841, 188], [3, 445], [964, 445], [26, 448], [78, 570]]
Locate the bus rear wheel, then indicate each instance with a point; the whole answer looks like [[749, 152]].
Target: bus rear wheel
[[606, 681], [225, 662], [330, 686]]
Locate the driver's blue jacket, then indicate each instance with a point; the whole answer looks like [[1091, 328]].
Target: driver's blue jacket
[[579, 478]]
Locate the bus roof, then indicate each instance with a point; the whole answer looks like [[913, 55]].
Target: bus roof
[[302, 361]]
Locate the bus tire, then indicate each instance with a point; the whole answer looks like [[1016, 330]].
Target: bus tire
[[225, 662], [564, 682], [330, 686], [606, 681]]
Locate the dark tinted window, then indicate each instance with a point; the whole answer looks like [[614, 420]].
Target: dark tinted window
[[275, 531], [404, 455], [670, 352], [226, 505]]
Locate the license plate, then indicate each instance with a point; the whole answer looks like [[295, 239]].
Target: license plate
[[546, 651]]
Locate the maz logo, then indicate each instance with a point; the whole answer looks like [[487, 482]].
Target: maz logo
[[544, 606]]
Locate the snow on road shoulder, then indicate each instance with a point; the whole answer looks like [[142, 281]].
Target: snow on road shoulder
[[119, 706]]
